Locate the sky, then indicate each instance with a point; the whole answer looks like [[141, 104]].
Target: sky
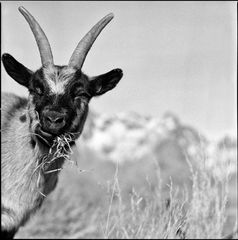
[[179, 57]]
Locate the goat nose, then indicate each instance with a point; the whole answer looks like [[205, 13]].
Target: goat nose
[[54, 120]]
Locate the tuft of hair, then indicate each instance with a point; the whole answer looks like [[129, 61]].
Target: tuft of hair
[[60, 149]]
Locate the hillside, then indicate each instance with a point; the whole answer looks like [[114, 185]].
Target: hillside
[[151, 154], [132, 137]]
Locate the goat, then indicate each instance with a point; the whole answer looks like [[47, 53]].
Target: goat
[[57, 105]]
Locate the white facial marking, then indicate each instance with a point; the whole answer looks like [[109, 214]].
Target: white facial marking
[[57, 80], [56, 87]]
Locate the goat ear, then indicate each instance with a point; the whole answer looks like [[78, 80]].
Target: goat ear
[[105, 82], [16, 70]]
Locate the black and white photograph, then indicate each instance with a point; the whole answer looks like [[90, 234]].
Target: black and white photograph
[[119, 120]]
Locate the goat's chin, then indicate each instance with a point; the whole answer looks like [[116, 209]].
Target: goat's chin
[[48, 138], [44, 136]]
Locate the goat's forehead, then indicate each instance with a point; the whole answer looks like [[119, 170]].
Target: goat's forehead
[[57, 78]]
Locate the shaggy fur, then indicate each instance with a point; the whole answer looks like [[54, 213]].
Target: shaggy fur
[[23, 145], [20, 193]]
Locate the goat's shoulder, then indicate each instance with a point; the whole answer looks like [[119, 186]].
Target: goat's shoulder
[[10, 104]]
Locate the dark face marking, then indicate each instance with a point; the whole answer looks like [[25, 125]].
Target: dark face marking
[[60, 97], [23, 118]]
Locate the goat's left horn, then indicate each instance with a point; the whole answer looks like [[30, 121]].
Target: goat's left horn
[[40, 37], [80, 53]]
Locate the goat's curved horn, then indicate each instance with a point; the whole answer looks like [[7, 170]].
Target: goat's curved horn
[[80, 53], [41, 39]]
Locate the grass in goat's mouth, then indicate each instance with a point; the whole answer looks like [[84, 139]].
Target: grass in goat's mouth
[[60, 149]]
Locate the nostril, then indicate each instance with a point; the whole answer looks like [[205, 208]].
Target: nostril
[[59, 120], [54, 120], [48, 119]]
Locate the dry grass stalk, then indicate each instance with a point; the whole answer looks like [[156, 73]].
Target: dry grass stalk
[[60, 149]]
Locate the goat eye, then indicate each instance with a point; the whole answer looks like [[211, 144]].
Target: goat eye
[[85, 95], [81, 94]]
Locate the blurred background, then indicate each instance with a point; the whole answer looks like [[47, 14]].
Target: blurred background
[[176, 56], [176, 101]]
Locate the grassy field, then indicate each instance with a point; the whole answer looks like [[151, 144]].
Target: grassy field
[[101, 199]]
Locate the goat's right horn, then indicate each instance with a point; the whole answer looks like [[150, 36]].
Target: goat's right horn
[[40, 37], [80, 53]]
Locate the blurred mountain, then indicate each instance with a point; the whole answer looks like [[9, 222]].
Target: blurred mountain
[[129, 136]]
